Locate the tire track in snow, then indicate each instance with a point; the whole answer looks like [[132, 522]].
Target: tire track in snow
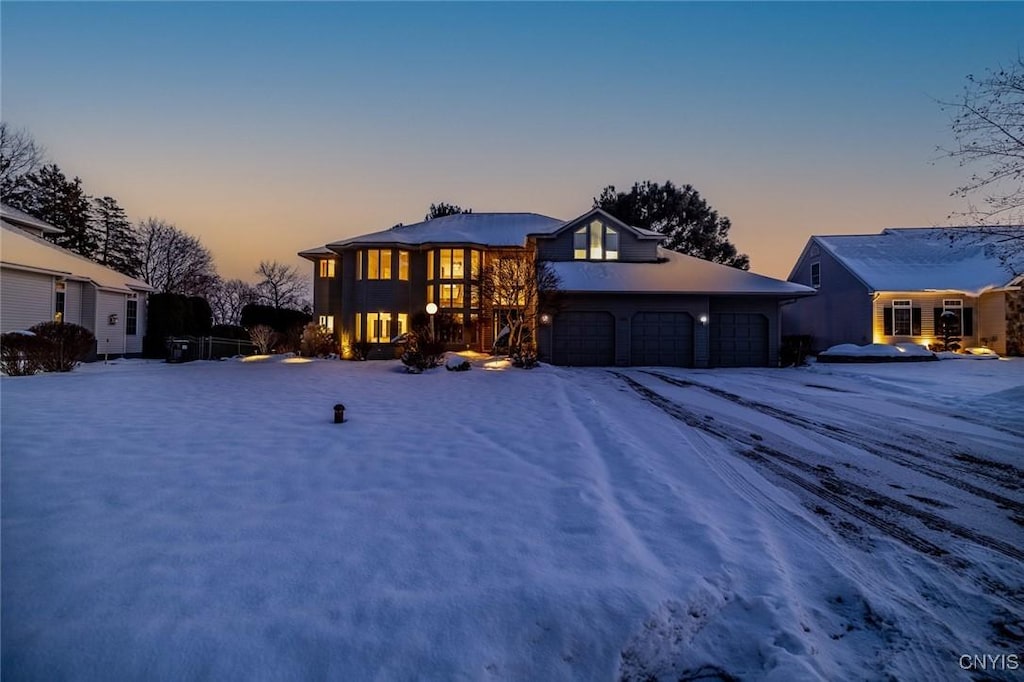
[[894, 453], [832, 488]]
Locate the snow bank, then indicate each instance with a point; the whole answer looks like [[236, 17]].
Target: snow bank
[[876, 352]]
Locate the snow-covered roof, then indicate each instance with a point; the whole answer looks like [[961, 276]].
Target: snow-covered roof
[[485, 229], [677, 273], [23, 250], [317, 252], [921, 259], [20, 218]]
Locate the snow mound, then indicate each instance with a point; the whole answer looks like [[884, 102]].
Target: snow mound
[[969, 354], [879, 350]]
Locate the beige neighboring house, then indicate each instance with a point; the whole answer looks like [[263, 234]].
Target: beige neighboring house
[[40, 281], [893, 287]]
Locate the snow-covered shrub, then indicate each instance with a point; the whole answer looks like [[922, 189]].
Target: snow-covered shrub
[[317, 341], [63, 345], [20, 354], [421, 350], [360, 350], [794, 349], [525, 356], [457, 364]]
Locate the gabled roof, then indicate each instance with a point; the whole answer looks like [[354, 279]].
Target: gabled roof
[[640, 232], [24, 251], [22, 219], [922, 259], [485, 229], [678, 273]]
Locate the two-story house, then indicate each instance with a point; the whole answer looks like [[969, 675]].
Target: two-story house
[[623, 300]]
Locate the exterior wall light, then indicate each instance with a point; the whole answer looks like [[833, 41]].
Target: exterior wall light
[[704, 320], [545, 318], [112, 319]]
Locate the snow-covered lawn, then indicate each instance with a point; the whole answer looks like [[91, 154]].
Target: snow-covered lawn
[[208, 521]]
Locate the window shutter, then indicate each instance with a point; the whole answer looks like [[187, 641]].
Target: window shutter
[[915, 322], [968, 324], [937, 322], [887, 324]]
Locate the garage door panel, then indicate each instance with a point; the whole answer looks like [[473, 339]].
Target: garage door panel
[[584, 338], [661, 338], [739, 340]]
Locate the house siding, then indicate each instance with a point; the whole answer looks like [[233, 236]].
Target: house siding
[[991, 321], [26, 299], [110, 338], [927, 302], [89, 307], [839, 290]]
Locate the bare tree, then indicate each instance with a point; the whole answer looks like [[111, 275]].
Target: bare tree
[[514, 286], [988, 127], [228, 297], [281, 286], [174, 261], [19, 156], [263, 337]]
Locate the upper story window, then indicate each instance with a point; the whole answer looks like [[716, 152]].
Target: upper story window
[[327, 267], [452, 263], [378, 264], [595, 241], [403, 265], [816, 275]]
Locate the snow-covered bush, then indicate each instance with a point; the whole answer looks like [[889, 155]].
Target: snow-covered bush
[[525, 356], [421, 350], [19, 354], [317, 341], [457, 364]]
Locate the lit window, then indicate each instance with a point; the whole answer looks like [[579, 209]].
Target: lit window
[[430, 265], [378, 264], [901, 318], [452, 296], [327, 267], [952, 315], [403, 265], [382, 327], [475, 264], [430, 293], [60, 289], [327, 321], [596, 241], [131, 318], [611, 244], [359, 326], [815, 275], [452, 263]]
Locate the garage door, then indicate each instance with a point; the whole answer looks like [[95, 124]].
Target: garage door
[[739, 340], [584, 338], [661, 339]]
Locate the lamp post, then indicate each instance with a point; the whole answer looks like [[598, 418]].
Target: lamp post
[[431, 310]]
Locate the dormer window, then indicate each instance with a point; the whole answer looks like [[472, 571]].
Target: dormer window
[[595, 241]]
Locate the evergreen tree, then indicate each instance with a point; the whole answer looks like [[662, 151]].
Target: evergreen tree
[[441, 209], [680, 213], [119, 244], [64, 204]]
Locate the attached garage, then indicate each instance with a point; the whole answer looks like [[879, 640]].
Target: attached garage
[[663, 339], [738, 340], [584, 338]]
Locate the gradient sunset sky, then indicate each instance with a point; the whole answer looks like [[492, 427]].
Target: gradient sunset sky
[[268, 128]]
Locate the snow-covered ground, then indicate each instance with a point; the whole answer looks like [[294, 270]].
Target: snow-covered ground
[[208, 521]]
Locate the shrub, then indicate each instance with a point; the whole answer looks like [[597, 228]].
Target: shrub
[[263, 337], [360, 350], [20, 354], [317, 341], [422, 351], [525, 356], [794, 349], [454, 365], [64, 345]]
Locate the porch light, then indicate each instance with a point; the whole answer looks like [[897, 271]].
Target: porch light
[[545, 318], [704, 319]]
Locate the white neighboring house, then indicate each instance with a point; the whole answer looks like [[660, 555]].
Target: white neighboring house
[[40, 281]]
